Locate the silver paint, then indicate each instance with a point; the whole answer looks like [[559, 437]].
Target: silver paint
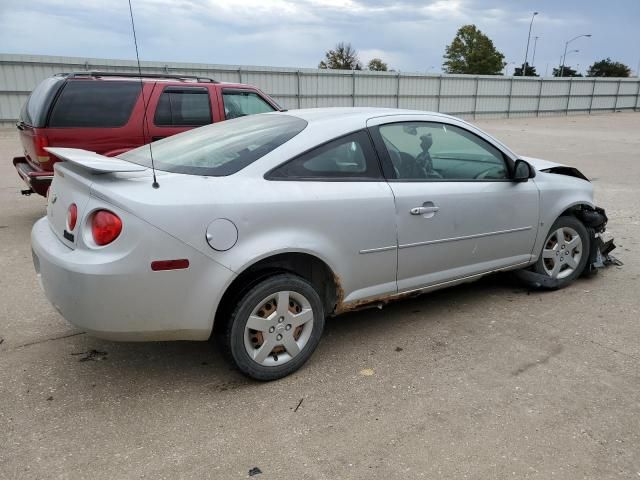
[[355, 228]]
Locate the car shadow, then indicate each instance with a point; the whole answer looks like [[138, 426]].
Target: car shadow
[[156, 366]]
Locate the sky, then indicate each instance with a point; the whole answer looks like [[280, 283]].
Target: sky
[[409, 35]]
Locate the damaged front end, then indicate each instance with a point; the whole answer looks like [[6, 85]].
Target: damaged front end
[[595, 220], [600, 250]]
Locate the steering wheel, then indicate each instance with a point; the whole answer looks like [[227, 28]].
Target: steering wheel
[[497, 171]]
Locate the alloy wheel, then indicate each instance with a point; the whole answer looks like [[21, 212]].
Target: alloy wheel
[[278, 328], [562, 252]]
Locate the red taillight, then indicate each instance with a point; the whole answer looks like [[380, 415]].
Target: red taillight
[[72, 217], [41, 154], [105, 227]]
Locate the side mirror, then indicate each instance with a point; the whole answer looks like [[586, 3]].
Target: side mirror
[[523, 171]]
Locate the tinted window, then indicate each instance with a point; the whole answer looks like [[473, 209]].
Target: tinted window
[[435, 151], [238, 104], [351, 156], [219, 149], [183, 106], [94, 103], [34, 111]]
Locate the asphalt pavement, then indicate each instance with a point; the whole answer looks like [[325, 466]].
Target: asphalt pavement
[[485, 380]]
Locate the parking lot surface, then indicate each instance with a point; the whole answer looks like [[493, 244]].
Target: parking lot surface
[[485, 380]]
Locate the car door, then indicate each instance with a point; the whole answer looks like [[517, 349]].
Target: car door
[[239, 102], [336, 195], [176, 108], [458, 214]]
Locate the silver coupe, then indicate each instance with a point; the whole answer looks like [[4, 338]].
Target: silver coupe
[[254, 230]]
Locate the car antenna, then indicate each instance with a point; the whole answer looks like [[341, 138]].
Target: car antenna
[[155, 183]]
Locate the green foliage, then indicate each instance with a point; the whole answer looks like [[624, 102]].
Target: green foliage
[[377, 65], [472, 52], [529, 71], [566, 72], [608, 68], [342, 57]]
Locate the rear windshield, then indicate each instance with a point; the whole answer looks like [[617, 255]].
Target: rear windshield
[[219, 149], [34, 111], [94, 103]]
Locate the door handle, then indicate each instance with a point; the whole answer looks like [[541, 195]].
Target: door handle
[[424, 210]]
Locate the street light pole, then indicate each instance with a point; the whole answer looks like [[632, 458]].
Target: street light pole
[[533, 59], [526, 53], [564, 57], [562, 61]]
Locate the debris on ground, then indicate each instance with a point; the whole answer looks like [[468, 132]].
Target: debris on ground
[[367, 372], [299, 403], [91, 355], [49, 398], [254, 471], [1, 340], [399, 349]]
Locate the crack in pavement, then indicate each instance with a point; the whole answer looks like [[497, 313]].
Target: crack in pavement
[[44, 340]]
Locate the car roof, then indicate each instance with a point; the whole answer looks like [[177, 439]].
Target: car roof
[[145, 77], [353, 114]]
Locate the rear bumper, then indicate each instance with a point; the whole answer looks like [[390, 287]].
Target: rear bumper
[[120, 297], [36, 180]]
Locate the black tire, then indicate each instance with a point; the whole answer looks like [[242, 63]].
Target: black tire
[[573, 223], [233, 335]]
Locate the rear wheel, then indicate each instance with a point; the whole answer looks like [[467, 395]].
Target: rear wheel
[[565, 251], [275, 327]]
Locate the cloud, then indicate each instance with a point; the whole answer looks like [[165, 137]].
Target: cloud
[[410, 35]]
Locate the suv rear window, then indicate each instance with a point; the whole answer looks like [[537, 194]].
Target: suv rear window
[[34, 111], [219, 149], [92, 103]]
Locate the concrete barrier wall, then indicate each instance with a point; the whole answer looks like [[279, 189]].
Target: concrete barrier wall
[[468, 96]]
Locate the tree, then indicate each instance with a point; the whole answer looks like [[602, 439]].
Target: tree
[[608, 68], [377, 65], [342, 57], [529, 71], [472, 52], [566, 72]]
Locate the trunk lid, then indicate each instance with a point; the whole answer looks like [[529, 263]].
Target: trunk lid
[[68, 187], [72, 184]]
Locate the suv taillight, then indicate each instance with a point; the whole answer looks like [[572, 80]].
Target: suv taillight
[[41, 154], [105, 227], [72, 217]]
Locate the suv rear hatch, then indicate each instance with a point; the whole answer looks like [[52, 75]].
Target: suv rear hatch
[[33, 118]]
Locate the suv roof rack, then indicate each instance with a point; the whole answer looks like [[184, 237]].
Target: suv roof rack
[[97, 73]]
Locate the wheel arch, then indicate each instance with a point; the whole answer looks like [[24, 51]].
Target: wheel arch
[[310, 266], [571, 209]]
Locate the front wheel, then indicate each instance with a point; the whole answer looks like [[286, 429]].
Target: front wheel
[[565, 251], [275, 327]]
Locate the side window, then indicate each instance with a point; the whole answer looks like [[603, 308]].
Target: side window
[[351, 156], [94, 103], [435, 151], [238, 104], [183, 106]]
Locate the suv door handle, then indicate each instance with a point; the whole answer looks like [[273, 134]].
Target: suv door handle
[[423, 210]]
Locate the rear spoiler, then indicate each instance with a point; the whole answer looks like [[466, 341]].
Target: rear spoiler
[[94, 162]]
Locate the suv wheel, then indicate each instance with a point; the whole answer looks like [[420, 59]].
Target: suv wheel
[[275, 327], [565, 251]]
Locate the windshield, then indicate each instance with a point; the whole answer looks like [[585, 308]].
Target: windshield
[[220, 149]]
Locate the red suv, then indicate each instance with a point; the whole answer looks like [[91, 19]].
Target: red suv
[[104, 112]]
